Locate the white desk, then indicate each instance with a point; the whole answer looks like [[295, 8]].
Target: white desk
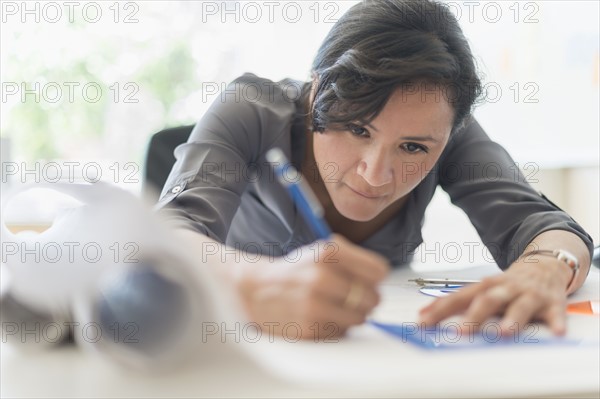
[[368, 363]]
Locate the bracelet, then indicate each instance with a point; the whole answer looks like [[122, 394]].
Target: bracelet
[[561, 255]]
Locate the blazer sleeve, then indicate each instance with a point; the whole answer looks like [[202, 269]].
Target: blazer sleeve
[[483, 180], [213, 168]]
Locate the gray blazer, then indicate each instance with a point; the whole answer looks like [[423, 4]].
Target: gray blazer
[[222, 186]]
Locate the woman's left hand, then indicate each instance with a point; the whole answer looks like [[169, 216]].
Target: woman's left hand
[[532, 289]]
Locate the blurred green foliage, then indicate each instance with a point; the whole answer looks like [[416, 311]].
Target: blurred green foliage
[[159, 65]]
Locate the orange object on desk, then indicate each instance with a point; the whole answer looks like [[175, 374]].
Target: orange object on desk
[[586, 307]]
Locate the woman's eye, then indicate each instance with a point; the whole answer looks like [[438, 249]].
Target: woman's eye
[[414, 148], [357, 130]]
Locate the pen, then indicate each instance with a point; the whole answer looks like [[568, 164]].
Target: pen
[[301, 194], [445, 282]]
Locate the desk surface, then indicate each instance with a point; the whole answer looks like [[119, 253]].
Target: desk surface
[[366, 363]]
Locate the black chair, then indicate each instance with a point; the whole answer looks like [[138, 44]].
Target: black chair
[[160, 159]]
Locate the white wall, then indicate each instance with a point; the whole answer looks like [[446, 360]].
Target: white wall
[[449, 232]]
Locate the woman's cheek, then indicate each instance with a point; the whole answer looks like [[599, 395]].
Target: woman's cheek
[[330, 172], [409, 171], [412, 173]]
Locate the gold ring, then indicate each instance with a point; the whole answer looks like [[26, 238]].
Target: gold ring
[[354, 297]]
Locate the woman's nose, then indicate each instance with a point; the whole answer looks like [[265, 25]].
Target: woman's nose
[[376, 168]]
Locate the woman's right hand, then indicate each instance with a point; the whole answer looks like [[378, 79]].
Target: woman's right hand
[[329, 288]]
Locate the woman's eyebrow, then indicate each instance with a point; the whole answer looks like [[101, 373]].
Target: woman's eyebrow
[[414, 138], [420, 138]]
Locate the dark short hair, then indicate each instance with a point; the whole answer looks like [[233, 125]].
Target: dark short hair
[[378, 46]]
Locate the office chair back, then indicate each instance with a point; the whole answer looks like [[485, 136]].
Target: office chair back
[[160, 159]]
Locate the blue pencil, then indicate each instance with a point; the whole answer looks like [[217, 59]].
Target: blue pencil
[[301, 194]]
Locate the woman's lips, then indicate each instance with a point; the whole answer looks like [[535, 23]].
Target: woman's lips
[[365, 195]]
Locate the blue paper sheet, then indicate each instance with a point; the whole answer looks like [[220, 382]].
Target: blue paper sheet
[[450, 336]]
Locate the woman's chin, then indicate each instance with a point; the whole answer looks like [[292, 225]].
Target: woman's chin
[[357, 213]]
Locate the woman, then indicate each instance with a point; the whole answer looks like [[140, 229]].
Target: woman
[[383, 122]]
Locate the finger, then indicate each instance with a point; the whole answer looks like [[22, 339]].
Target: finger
[[455, 303], [521, 311], [337, 288], [365, 298], [359, 263], [489, 303], [332, 284], [328, 312], [556, 317], [370, 301]]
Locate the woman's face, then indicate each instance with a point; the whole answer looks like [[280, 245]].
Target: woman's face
[[367, 168]]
